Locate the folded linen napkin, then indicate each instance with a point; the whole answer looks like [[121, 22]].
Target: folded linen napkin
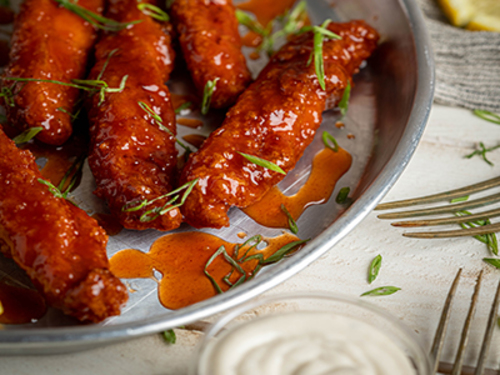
[[467, 62]]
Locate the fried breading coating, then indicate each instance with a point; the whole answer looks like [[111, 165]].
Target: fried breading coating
[[50, 43], [132, 157], [274, 119], [60, 247], [211, 45]]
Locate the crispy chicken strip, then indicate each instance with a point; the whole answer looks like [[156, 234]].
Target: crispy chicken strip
[[132, 157], [274, 119], [211, 45], [60, 247], [52, 43]]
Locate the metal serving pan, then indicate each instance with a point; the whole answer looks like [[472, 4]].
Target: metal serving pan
[[388, 111]]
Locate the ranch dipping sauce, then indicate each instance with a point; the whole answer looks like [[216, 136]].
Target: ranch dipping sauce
[[305, 343]]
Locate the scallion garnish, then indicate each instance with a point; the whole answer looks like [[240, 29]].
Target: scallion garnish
[[74, 170], [169, 336], [382, 291], [159, 122], [27, 135], [459, 199], [83, 84], [319, 32], [342, 195], [54, 190], [154, 213], [327, 138], [488, 116], [95, 19], [493, 261], [482, 152], [231, 261], [262, 163], [153, 11], [291, 222], [73, 116], [374, 268], [344, 102], [182, 107], [8, 94], [208, 91]]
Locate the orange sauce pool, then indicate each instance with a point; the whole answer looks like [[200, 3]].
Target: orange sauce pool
[[327, 168], [195, 139], [190, 123], [181, 259], [266, 10], [20, 305]]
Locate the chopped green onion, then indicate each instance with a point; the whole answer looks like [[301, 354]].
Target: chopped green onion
[[342, 195], [327, 138], [490, 239], [488, 116], [493, 261], [374, 268], [247, 21], [482, 152], [460, 199], [182, 107], [262, 163], [27, 135], [153, 11], [291, 222], [382, 291], [319, 32], [231, 261], [95, 19], [169, 336], [75, 168], [208, 91], [55, 191], [281, 253], [344, 102], [8, 94]]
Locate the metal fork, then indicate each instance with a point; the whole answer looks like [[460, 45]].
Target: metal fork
[[450, 208], [437, 346]]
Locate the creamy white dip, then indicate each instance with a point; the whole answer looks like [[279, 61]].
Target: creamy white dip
[[305, 343]]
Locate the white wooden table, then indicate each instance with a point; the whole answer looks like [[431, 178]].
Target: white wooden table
[[424, 269]]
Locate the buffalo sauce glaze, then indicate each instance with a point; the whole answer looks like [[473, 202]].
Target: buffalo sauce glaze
[[181, 259], [266, 10], [20, 305], [109, 223], [327, 168]]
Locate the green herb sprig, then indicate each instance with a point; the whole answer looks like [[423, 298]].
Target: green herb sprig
[[74, 171], [382, 291], [7, 93], [459, 199], [319, 32], [182, 107], [374, 268], [236, 260], [208, 91], [343, 195], [27, 135], [95, 19], [154, 213], [153, 11], [327, 138], [344, 102], [169, 336], [159, 121], [490, 239], [482, 152], [493, 261], [291, 222], [262, 163], [488, 116]]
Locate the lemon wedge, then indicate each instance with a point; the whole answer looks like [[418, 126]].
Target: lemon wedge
[[481, 15]]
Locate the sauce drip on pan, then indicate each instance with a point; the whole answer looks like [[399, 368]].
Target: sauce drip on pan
[[109, 223], [181, 259], [266, 10], [20, 305], [327, 168], [195, 139], [190, 123]]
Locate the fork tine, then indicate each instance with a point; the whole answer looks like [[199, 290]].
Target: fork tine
[[447, 195], [485, 348], [478, 231], [443, 209], [457, 367], [448, 220], [437, 345]]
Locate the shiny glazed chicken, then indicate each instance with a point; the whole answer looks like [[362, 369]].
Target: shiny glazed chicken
[[50, 43], [133, 156], [60, 247], [211, 45], [274, 119]]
